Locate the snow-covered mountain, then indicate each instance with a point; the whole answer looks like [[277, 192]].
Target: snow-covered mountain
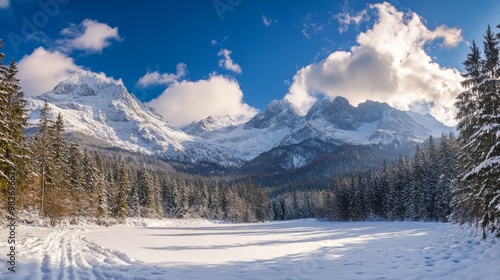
[[102, 108], [211, 123]]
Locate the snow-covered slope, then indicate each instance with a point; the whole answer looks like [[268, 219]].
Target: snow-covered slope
[[101, 107], [428, 121]]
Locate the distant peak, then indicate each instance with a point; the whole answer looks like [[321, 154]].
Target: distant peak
[[88, 77], [340, 100], [374, 104], [281, 105]]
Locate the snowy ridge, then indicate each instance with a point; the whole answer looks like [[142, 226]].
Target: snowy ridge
[[101, 107]]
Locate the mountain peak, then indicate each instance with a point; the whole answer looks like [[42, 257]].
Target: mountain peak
[[279, 113], [281, 105], [84, 83], [210, 123], [90, 78]]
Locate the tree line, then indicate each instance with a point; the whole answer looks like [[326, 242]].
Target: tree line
[[417, 189]]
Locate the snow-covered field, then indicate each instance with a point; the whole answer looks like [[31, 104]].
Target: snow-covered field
[[301, 249]]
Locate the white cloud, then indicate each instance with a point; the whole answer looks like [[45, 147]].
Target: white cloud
[[227, 62], [268, 21], [4, 4], [184, 102], [42, 70], [89, 35], [389, 64], [345, 19], [213, 42], [155, 78]]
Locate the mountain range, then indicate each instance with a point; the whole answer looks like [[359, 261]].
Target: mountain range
[[102, 109]]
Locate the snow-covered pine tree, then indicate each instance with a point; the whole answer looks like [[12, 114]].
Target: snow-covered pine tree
[[60, 203], [145, 192], [431, 177], [447, 171], [341, 198], [123, 182], [382, 178], [168, 197], [215, 202], [133, 201], [14, 148], [467, 104], [101, 190], [181, 199], [399, 179], [415, 207], [157, 197], [75, 163], [89, 185], [262, 207], [44, 154], [480, 152], [204, 200]]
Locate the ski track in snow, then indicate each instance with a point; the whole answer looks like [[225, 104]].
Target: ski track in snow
[[303, 249], [65, 254]]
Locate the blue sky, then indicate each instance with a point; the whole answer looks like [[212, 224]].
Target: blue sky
[[265, 48]]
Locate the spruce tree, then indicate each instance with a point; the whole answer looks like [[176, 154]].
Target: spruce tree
[[14, 149], [123, 181], [100, 186], [75, 163], [476, 196], [44, 154]]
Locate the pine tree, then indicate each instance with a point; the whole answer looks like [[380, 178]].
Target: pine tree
[[44, 154], [157, 198], [89, 185], [14, 148], [397, 184], [431, 177], [382, 191], [100, 186], [181, 199], [418, 192], [168, 197], [214, 202], [123, 182], [75, 163], [476, 196]]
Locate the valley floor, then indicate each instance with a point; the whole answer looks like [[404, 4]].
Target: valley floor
[[300, 249]]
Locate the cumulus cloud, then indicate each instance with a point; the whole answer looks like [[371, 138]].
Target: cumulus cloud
[[155, 78], [268, 21], [42, 70], [89, 35], [345, 19], [389, 64], [4, 4], [186, 101], [227, 62]]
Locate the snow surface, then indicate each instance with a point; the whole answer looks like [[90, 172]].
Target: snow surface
[[301, 249]]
